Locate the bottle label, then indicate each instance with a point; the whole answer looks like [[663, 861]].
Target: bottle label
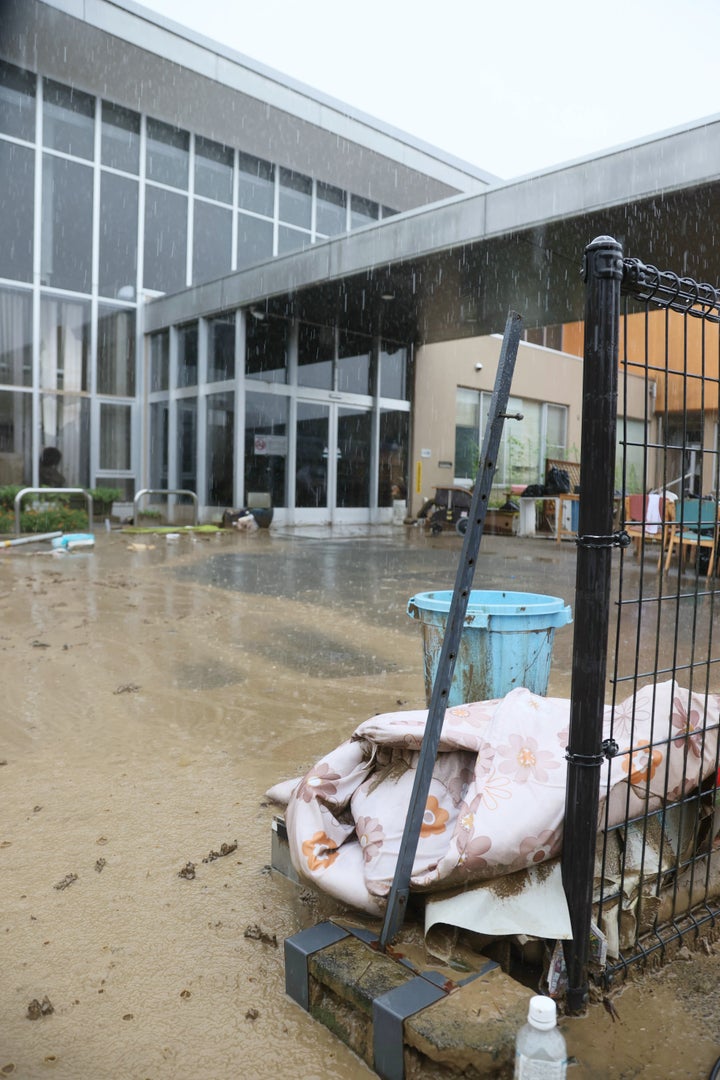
[[527, 1068]]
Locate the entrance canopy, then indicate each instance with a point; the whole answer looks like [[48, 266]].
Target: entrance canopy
[[454, 268]]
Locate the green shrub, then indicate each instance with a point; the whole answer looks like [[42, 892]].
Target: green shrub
[[105, 494], [7, 495], [55, 519]]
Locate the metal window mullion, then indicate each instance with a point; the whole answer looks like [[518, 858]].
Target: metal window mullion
[[94, 306], [201, 484], [234, 227], [37, 270], [190, 212], [239, 447]]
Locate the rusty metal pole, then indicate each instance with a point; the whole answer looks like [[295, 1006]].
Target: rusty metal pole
[[603, 270]]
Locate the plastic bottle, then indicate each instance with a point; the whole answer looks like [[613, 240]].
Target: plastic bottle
[[540, 1051]]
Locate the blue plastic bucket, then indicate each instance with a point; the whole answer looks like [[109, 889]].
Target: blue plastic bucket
[[507, 641]]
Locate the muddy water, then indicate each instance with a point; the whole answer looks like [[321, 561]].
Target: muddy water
[[152, 691]]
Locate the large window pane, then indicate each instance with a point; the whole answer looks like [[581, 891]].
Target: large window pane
[[295, 198], [266, 445], [313, 426], [331, 217], [353, 457], [15, 437], [256, 185], [116, 355], [66, 224], [467, 432], [266, 349], [167, 154], [316, 353], [254, 242], [353, 364], [187, 443], [115, 436], [68, 119], [17, 102], [160, 360], [17, 169], [212, 242], [220, 444], [118, 236], [362, 211], [221, 348], [213, 170], [159, 438], [556, 431], [165, 240], [15, 337], [65, 424], [292, 240], [393, 371], [64, 344], [392, 465], [120, 138], [187, 354]]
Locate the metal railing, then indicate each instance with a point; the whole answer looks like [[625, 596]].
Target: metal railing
[[165, 491], [51, 491]]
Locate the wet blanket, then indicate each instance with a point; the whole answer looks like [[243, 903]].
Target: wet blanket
[[497, 796]]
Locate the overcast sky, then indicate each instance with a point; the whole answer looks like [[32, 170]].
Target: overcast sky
[[511, 86]]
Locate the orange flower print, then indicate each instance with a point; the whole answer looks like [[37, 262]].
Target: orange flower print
[[434, 818], [641, 764], [319, 851], [494, 789], [524, 759]]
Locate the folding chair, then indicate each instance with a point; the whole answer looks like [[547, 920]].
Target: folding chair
[[648, 520]]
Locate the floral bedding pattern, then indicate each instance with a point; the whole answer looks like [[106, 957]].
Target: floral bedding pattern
[[497, 797]]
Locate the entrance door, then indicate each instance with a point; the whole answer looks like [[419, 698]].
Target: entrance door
[[333, 463]]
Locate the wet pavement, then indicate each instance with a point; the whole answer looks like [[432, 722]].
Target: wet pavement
[[154, 690]]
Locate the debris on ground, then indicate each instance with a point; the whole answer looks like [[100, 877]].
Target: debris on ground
[[256, 933], [225, 849], [66, 881], [252, 1014], [37, 1009], [100, 865], [127, 688], [188, 871]]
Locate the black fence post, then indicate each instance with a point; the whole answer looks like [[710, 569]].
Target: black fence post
[[603, 270]]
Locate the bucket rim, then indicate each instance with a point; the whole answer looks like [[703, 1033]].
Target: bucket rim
[[491, 602]]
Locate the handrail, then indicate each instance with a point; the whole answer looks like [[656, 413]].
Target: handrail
[[165, 491], [51, 491]]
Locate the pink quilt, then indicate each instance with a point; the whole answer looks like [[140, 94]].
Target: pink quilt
[[497, 796]]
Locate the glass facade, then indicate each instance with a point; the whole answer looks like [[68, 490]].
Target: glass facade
[[103, 207]]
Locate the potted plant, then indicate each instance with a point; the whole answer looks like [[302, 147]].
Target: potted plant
[[103, 499]]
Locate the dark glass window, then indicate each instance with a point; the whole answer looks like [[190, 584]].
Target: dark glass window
[[353, 364], [256, 185], [388, 212], [159, 442], [187, 354], [120, 138], [392, 461], [266, 445], [118, 236], [393, 371], [66, 224], [68, 119], [220, 444], [167, 154], [186, 413], [17, 169], [221, 348], [116, 355], [331, 210], [64, 344], [254, 242], [160, 360], [316, 353], [15, 337], [295, 198], [362, 211], [213, 170], [17, 102], [212, 242], [266, 349], [292, 240], [16, 428], [165, 240], [115, 436]]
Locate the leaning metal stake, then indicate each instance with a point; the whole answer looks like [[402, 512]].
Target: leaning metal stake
[[400, 890]]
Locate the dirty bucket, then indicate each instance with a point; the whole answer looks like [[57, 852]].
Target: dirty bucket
[[506, 642]]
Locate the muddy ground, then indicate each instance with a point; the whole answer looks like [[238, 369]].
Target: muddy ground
[[152, 691]]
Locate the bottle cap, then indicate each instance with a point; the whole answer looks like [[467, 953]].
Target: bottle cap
[[542, 1013]]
